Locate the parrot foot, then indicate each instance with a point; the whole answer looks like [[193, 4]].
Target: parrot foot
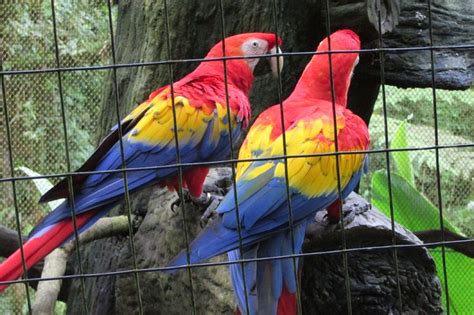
[[215, 189], [202, 201], [357, 208], [210, 213], [350, 211], [175, 205]]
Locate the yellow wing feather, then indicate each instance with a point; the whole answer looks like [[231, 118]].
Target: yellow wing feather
[[311, 175], [156, 127], [258, 138]]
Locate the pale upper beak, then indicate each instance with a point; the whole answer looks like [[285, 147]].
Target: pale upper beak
[[276, 63]]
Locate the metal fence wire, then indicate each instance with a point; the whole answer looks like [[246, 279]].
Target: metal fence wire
[[42, 87]]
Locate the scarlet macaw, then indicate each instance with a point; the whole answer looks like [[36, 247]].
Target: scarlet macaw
[[261, 188], [148, 140]]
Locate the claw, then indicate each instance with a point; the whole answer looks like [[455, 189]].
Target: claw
[[356, 208], [202, 200], [175, 205], [210, 212], [348, 215]]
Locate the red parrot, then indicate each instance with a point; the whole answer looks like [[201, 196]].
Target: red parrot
[[149, 140], [261, 187]]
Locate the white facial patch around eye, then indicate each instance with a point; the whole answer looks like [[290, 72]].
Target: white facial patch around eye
[[254, 47]]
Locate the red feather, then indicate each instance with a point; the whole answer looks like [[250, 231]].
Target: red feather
[[203, 87], [287, 303], [38, 247], [334, 214]]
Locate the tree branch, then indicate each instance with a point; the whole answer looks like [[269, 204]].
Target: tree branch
[[55, 263], [431, 236], [48, 291]]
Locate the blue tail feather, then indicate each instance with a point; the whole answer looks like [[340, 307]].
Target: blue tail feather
[[266, 278], [250, 269]]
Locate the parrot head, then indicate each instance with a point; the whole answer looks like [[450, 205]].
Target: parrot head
[[246, 46], [316, 81]]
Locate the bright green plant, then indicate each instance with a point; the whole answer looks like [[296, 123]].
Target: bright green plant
[[417, 213], [456, 169], [402, 158]]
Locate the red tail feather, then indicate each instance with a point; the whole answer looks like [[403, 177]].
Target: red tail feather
[[37, 248], [287, 303]]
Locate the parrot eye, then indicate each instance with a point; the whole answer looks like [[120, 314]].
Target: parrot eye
[[255, 43]]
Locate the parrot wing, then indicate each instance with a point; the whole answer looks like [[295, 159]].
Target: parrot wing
[[270, 285], [261, 187], [203, 135], [61, 189]]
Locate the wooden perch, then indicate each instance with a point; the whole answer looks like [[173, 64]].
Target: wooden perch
[[372, 273], [406, 24], [369, 228], [55, 263], [48, 291], [432, 236]]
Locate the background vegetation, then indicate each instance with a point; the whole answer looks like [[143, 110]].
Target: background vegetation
[[38, 137], [27, 42], [455, 111]]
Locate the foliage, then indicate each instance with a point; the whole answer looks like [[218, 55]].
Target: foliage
[[456, 168], [34, 104], [411, 209], [81, 29], [414, 211], [452, 108], [402, 158], [35, 110]]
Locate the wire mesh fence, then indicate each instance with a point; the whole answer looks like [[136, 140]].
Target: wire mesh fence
[[55, 59]]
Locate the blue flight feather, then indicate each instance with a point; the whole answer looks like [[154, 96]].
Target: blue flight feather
[[102, 189]]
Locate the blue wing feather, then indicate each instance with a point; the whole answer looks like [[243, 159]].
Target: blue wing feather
[[220, 237], [105, 188]]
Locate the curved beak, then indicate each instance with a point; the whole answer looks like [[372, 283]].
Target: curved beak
[[276, 63]]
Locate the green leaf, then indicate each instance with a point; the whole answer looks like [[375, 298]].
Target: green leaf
[[460, 271], [415, 212], [42, 184], [402, 158], [411, 209]]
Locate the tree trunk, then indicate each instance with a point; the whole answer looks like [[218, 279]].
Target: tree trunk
[[194, 27], [373, 278]]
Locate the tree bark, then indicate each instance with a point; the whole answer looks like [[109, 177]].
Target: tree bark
[[452, 24], [406, 24], [159, 237], [372, 273]]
